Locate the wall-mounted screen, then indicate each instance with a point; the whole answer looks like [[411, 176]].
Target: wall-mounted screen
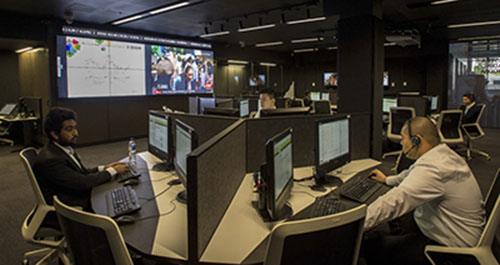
[[386, 79], [330, 79], [258, 80], [92, 67]]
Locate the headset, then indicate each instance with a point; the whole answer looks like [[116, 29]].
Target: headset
[[415, 140]]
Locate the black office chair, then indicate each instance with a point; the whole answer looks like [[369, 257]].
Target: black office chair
[[473, 131], [322, 107], [397, 117], [448, 127], [332, 239], [92, 239]]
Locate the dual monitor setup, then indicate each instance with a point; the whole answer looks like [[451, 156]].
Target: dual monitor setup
[[171, 150], [316, 96], [332, 151], [423, 105]]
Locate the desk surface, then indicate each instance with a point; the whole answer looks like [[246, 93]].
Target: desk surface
[[161, 229]]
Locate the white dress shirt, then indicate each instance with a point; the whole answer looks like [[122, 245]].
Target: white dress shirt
[[444, 193]]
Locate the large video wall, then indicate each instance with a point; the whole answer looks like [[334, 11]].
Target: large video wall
[[108, 67]]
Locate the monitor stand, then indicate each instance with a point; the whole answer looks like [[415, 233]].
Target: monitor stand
[[326, 181], [163, 167], [284, 213], [182, 197]]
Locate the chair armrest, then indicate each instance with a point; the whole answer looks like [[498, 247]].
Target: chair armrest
[[449, 250]]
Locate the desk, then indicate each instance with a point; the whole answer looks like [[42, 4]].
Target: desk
[[28, 124], [241, 236]]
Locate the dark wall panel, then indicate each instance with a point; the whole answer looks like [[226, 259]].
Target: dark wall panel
[[127, 117], [9, 77]]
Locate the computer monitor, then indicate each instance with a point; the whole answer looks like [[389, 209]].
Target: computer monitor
[[284, 112], [160, 140], [388, 103], [186, 140], [315, 96], [244, 108], [332, 148], [386, 79], [206, 102], [419, 103], [258, 80], [434, 103], [222, 111], [325, 96], [278, 174], [330, 79], [9, 109]]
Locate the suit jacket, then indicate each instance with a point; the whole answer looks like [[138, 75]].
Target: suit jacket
[[471, 115], [57, 174]]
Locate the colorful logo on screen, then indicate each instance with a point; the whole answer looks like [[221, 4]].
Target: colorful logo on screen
[[72, 46]]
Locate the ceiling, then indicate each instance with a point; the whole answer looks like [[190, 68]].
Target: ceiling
[[191, 21]]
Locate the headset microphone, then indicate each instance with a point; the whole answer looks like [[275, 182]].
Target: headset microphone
[[409, 150]]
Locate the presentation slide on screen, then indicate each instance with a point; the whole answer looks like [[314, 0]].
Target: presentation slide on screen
[[333, 140], [158, 133], [282, 164], [92, 67]]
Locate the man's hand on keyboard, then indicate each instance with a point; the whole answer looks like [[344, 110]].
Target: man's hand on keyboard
[[119, 166], [378, 176]]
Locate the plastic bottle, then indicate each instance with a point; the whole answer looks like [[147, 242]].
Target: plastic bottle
[[131, 151]]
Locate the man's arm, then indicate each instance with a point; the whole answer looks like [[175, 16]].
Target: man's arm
[[420, 186]]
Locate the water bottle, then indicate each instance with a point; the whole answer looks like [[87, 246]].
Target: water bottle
[[131, 151]]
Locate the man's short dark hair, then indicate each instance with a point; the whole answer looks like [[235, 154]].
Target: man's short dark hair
[[470, 96], [268, 92], [55, 118]]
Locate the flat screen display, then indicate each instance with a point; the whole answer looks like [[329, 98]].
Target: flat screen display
[[315, 96], [325, 96], [244, 108], [283, 169], [330, 79], [386, 79], [91, 67], [333, 140], [388, 103], [258, 80], [182, 147], [158, 133]]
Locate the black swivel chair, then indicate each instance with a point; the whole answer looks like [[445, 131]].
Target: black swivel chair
[[473, 131], [448, 127], [322, 107]]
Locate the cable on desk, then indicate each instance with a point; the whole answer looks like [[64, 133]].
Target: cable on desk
[[160, 193], [164, 178], [162, 214]]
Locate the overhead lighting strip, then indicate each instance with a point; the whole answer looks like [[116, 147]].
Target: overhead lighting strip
[[220, 33], [150, 13], [307, 40], [305, 50], [443, 2], [230, 61], [306, 20], [474, 24], [268, 26], [167, 8], [24, 50], [266, 44]]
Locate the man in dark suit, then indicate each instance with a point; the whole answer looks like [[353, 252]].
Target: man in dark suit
[[470, 109], [58, 168]]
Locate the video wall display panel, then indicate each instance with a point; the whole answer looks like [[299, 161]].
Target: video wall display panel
[[95, 67]]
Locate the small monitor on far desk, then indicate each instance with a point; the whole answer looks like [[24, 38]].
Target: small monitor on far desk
[[160, 140], [9, 109], [332, 149]]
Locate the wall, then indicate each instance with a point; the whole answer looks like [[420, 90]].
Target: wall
[[9, 78]]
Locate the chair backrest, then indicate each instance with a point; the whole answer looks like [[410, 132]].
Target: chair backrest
[[333, 239], [448, 126], [28, 157], [397, 117], [92, 238], [474, 130], [493, 192], [492, 208], [322, 107]]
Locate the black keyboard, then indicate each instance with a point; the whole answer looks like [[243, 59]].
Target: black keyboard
[[122, 201], [126, 175], [325, 206], [359, 188]]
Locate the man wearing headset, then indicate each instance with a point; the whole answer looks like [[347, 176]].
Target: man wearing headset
[[439, 187]]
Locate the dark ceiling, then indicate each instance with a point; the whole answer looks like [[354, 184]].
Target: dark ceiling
[[191, 21]]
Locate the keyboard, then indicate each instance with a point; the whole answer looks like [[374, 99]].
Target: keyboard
[[325, 206], [129, 174], [359, 188], [122, 201]]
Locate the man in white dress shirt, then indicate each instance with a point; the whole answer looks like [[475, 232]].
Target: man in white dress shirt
[[439, 187]]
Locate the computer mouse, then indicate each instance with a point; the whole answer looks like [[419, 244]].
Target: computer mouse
[[131, 182], [125, 219]]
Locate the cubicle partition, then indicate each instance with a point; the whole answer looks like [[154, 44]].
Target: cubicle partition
[[260, 130], [360, 135], [215, 171], [206, 126]]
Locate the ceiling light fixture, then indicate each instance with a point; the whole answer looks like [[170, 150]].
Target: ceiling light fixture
[[307, 40], [479, 38], [125, 20], [257, 28], [236, 62], [440, 2], [306, 20], [305, 50], [220, 33], [390, 44], [266, 44], [474, 24], [24, 50], [167, 8], [332, 48], [267, 64]]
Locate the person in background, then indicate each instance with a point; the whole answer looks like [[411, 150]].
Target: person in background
[[469, 108], [267, 100]]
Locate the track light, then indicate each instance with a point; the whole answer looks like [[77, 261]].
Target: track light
[[474, 24], [266, 44], [24, 50]]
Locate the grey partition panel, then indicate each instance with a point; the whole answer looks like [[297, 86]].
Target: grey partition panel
[[206, 126], [215, 171], [193, 105], [360, 135], [260, 130]]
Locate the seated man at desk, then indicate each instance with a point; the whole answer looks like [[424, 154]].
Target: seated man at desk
[[58, 168], [267, 100], [469, 108], [442, 190]]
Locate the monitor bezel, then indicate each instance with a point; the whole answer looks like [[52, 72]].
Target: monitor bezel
[[322, 170], [167, 157], [202, 103], [194, 144], [275, 205]]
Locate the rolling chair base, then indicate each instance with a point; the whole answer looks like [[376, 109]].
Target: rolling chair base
[[49, 255], [8, 141], [394, 153]]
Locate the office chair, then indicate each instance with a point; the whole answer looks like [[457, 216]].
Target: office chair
[[322, 107], [4, 131], [332, 239], [482, 253], [297, 102], [33, 229], [397, 117], [448, 127], [473, 131], [92, 238]]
